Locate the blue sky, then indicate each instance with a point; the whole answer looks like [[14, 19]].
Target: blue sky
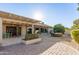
[[53, 13]]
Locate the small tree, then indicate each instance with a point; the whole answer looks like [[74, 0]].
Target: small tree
[[75, 27], [58, 28], [76, 22]]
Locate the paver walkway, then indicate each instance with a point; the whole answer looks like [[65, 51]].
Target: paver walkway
[[61, 49]]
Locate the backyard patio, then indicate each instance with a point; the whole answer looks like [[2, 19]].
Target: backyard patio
[[38, 48]]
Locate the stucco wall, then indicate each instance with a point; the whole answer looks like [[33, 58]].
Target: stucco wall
[[0, 29], [23, 32], [4, 28]]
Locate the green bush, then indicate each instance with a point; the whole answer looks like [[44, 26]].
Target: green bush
[[75, 35], [58, 28], [31, 36], [75, 26]]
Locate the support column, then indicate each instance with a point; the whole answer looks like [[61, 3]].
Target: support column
[[1, 29], [33, 29], [23, 32], [40, 30]]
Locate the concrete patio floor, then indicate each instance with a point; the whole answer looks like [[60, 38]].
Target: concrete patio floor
[[35, 49]]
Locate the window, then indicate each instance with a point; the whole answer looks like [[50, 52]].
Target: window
[[13, 31]]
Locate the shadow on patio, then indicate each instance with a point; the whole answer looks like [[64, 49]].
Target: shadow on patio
[[34, 49]]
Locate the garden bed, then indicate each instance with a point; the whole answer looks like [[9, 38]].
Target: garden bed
[[31, 39], [57, 35]]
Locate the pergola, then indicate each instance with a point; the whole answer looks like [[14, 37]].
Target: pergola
[[16, 20]]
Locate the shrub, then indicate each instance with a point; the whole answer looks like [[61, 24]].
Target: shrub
[[75, 35], [31, 36], [59, 29], [75, 26]]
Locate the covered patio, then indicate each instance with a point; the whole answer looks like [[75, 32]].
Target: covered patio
[[14, 27]]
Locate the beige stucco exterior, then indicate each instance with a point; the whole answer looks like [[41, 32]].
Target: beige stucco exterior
[[23, 32], [8, 19], [0, 29]]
